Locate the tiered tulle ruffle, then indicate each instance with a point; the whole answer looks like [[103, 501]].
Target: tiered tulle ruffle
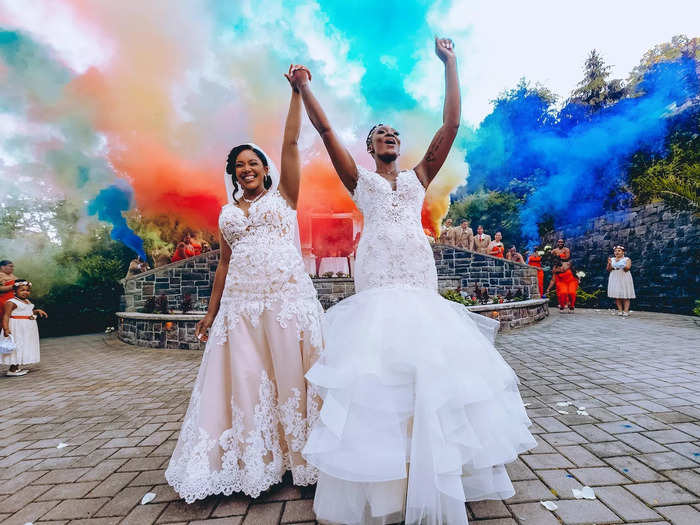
[[420, 412]]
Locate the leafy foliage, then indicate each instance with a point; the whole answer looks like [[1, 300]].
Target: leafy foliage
[[583, 298], [674, 177], [494, 210]]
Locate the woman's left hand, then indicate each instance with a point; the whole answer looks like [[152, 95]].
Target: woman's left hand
[[41, 313]]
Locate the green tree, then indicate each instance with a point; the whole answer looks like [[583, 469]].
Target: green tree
[[494, 210], [595, 90], [674, 177]]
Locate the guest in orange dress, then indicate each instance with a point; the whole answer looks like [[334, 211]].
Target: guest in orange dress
[[180, 253], [7, 280], [195, 243], [190, 250], [536, 260], [496, 247], [566, 282], [561, 251]]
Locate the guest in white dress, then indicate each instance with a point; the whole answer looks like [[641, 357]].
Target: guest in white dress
[[19, 321], [415, 421], [247, 420], [620, 283]]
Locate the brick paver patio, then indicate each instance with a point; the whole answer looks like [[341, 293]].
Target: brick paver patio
[[118, 409]]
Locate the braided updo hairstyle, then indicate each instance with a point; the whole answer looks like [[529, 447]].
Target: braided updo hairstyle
[[231, 166], [370, 135]]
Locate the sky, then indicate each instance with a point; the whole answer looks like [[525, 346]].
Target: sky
[[146, 98]]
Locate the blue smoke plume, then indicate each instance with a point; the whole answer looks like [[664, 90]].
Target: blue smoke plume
[[570, 163], [108, 205]]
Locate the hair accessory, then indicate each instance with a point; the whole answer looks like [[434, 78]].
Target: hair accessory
[[21, 282], [619, 246], [370, 134]]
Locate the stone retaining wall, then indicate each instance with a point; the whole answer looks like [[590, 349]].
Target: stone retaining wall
[[498, 275], [514, 315], [194, 276], [159, 330], [177, 330], [662, 243]]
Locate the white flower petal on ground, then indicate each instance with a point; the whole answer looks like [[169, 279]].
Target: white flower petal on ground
[[564, 403], [148, 497], [526, 404], [584, 493], [563, 412], [582, 412], [549, 505], [62, 445]]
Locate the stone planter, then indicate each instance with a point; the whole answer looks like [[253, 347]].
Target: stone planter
[[516, 314]]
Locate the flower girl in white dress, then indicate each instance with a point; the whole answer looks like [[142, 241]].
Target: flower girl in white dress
[[415, 421], [19, 322]]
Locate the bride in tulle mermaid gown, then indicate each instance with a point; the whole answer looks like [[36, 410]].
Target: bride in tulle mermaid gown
[[420, 411]]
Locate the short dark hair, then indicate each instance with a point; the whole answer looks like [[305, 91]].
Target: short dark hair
[[5, 262]]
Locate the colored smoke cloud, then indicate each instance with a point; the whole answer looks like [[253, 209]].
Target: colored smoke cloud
[[154, 95], [574, 162], [109, 206]]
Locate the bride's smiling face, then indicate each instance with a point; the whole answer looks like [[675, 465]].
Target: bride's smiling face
[[250, 171], [386, 143]]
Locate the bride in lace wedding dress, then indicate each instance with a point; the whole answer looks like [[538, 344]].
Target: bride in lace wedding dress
[[250, 409], [420, 411]]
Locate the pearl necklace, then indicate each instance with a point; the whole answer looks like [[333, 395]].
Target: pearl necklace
[[251, 201]]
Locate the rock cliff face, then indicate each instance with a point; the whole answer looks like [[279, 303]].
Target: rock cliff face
[[663, 246]]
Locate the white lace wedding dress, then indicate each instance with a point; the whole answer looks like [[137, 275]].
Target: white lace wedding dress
[[420, 412], [250, 410]]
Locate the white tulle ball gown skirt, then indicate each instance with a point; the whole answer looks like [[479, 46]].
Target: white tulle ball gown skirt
[[420, 411]]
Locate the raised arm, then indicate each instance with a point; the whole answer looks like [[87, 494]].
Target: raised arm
[[435, 157], [291, 164], [342, 161]]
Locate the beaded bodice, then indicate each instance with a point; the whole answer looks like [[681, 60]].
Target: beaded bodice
[[393, 249], [266, 264]]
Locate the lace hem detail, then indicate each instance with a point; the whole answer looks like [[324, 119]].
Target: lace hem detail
[[252, 460]]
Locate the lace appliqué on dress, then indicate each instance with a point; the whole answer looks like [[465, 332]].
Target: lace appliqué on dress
[[393, 249], [251, 462], [266, 268]]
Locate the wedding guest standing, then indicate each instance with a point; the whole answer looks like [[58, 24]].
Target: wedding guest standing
[[481, 240], [447, 233], [7, 280], [496, 247], [565, 279], [535, 259], [561, 251], [464, 236], [513, 255], [180, 252], [620, 283]]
